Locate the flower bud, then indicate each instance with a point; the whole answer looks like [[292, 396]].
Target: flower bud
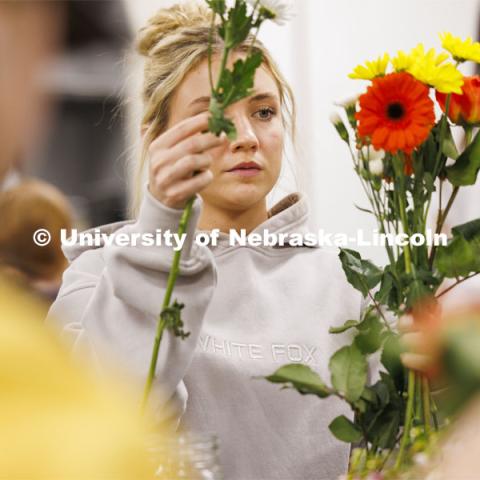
[[339, 126], [464, 109], [376, 167]]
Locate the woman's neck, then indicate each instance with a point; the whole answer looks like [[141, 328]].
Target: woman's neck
[[225, 220]]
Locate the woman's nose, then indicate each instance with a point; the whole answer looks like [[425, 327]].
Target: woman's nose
[[246, 139]]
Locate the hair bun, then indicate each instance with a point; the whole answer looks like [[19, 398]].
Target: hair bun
[[168, 20]]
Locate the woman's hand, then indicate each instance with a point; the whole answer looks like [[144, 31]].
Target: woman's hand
[[174, 157], [421, 336], [416, 357]]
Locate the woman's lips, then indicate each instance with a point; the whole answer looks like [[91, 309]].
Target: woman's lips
[[245, 172]]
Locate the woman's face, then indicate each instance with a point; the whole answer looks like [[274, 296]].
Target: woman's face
[[260, 138]]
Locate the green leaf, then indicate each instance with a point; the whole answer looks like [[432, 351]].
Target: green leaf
[[465, 170], [240, 24], [462, 254], [469, 230], [430, 150], [391, 359], [449, 148], [365, 210], [345, 430], [237, 84], [369, 340], [385, 429], [416, 291], [173, 321], [346, 326], [361, 274], [388, 293], [218, 6], [302, 378], [348, 367]]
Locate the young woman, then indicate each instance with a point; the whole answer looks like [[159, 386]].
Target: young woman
[[249, 309]]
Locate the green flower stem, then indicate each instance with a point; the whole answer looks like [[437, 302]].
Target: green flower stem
[[426, 405], [398, 166], [408, 419], [443, 216], [443, 126], [172, 277]]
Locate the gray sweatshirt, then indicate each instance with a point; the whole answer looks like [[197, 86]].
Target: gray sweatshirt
[[249, 310]]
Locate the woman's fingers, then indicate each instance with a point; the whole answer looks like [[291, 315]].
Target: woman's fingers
[[406, 324], [180, 131], [197, 143], [176, 155], [416, 361], [187, 166], [413, 341], [178, 193]]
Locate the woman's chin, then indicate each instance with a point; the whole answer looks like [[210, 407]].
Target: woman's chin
[[240, 196]]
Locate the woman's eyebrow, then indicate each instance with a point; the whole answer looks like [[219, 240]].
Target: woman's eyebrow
[[200, 100], [263, 96], [256, 98]]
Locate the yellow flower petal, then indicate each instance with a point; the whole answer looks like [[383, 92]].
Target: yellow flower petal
[[444, 78], [402, 61], [371, 69], [461, 50], [419, 54]]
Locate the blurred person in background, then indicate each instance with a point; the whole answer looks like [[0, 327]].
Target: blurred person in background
[[56, 422], [30, 206], [30, 33]]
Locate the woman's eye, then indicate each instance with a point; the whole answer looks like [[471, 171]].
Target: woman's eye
[[265, 113]]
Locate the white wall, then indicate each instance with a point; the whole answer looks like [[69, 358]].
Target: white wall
[[316, 51]]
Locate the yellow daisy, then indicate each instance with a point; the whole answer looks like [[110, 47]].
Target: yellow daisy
[[444, 78], [402, 61], [420, 55], [371, 69], [461, 50]]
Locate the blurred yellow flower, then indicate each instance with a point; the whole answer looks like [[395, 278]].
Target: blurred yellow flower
[[371, 69], [57, 421], [402, 61], [461, 50], [444, 78]]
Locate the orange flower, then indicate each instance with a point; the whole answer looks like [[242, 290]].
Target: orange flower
[[464, 109], [396, 113]]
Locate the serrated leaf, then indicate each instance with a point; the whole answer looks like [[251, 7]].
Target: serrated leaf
[[348, 367], [240, 24], [361, 274], [173, 320], [218, 6], [345, 430], [465, 170], [302, 378]]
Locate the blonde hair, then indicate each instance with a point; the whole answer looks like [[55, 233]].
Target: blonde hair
[[174, 42]]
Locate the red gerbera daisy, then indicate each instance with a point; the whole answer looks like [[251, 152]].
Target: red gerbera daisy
[[396, 113]]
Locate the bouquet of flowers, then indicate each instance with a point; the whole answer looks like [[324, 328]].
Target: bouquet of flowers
[[402, 155]]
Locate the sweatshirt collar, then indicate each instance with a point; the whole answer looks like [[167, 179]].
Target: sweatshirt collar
[[289, 215]]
